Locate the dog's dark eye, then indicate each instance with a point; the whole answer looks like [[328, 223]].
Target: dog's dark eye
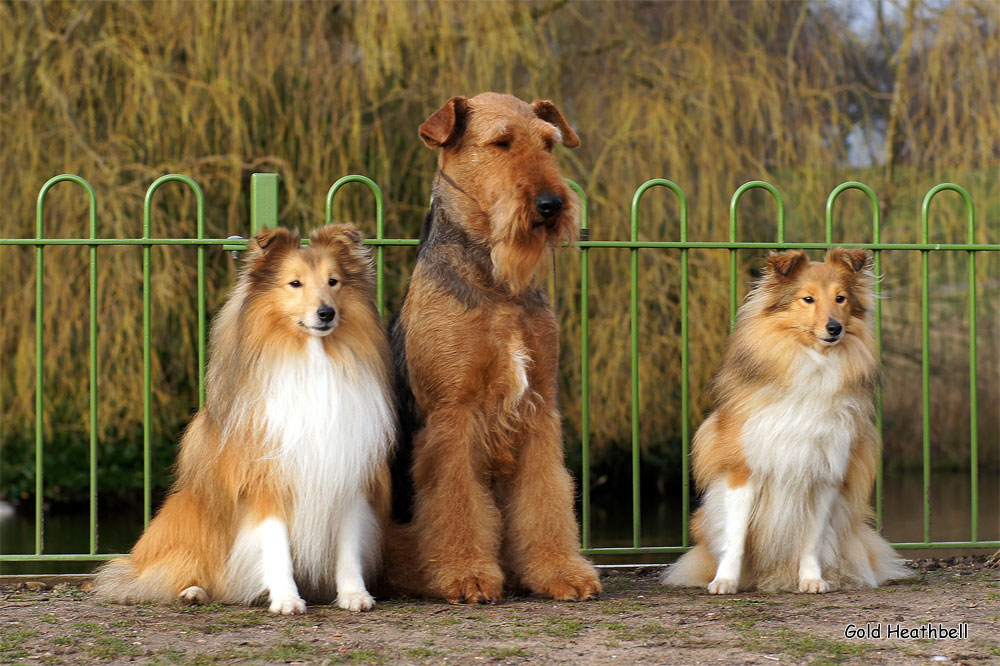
[[333, 282], [294, 283], [502, 143], [809, 299], [841, 298]]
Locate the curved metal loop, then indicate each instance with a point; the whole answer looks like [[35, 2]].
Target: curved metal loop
[[872, 197], [925, 211], [73, 178], [659, 182], [738, 194], [147, 206], [375, 190], [584, 213]]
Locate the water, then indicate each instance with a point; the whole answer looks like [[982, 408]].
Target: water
[[902, 516], [611, 522]]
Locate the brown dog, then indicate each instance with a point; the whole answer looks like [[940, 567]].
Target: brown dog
[[476, 349]]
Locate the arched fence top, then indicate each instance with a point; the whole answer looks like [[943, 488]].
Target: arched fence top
[[659, 182], [969, 211], [584, 213], [743, 189], [147, 206], [73, 178], [376, 192], [872, 197]]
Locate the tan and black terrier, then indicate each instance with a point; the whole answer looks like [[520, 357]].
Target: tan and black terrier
[[476, 346]]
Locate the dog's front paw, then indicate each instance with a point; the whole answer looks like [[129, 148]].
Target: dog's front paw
[[723, 586], [813, 586], [474, 590], [576, 583], [193, 596], [291, 605], [356, 601]]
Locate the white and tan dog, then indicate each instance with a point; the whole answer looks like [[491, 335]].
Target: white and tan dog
[[787, 460], [282, 480]]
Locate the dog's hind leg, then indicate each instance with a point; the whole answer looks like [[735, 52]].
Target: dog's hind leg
[[542, 538], [193, 596]]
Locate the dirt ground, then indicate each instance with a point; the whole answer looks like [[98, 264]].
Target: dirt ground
[[636, 621]]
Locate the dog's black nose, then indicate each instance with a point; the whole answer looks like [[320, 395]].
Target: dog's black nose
[[326, 313], [548, 204], [833, 327]]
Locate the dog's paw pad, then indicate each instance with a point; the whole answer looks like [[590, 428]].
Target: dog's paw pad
[[813, 586], [723, 586], [356, 601], [193, 596], [288, 606]]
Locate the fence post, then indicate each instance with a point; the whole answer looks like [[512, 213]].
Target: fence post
[[584, 364], [263, 201]]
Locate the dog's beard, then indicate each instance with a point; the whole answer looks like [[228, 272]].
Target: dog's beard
[[519, 239]]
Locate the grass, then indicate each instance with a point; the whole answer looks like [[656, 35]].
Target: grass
[[422, 653], [708, 94], [562, 627], [802, 645], [11, 641], [744, 618], [507, 652], [111, 647], [289, 651]]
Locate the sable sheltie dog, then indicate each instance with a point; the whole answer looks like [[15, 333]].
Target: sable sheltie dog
[[282, 479], [787, 460]]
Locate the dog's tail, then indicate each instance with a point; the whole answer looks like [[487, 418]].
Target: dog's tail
[[695, 568], [401, 573], [870, 560], [121, 581]]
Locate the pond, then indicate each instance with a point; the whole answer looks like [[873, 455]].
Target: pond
[[66, 531]]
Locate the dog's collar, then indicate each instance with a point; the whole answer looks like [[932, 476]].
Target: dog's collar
[[448, 180]]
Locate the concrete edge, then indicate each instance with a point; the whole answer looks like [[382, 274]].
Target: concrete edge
[[13, 580], [48, 579]]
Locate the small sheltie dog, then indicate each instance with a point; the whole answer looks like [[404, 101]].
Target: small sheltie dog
[[787, 460], [282, 481]]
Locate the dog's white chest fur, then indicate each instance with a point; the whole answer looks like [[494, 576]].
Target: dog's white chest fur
[[331, 425], [803, 432]]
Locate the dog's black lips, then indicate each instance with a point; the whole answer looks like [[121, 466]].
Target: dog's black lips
[[315, 328]]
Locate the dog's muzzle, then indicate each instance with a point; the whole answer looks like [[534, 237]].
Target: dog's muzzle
[[834, 329]]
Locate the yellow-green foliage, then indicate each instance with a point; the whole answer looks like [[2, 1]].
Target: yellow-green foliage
[[708, 94]]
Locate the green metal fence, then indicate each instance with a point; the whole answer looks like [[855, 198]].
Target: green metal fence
[[264, 212]]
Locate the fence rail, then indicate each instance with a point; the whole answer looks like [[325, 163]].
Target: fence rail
[[264, 212]]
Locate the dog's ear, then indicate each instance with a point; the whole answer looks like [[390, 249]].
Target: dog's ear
[[269, 242], [334, 234], [856, 258], [548, 112], [445, 124], [785, 264]]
